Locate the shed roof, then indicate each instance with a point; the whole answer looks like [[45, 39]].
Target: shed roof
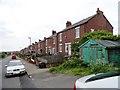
[[109, 43], [105, 43]]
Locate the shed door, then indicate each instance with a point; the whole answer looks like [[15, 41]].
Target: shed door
[[93, 55], [86, 55]]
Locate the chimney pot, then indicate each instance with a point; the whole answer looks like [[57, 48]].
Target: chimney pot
[[44, 38], [53, 32], [68, 24], [98, 11]]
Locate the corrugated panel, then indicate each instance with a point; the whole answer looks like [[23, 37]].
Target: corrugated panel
[[109, 43]]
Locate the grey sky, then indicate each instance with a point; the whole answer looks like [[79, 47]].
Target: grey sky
[[20, 19]]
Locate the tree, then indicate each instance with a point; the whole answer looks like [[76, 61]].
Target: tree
[[100, 34]]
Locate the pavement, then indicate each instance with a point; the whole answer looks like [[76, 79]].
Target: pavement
[[32, 68], [0, 74], [43, 79]]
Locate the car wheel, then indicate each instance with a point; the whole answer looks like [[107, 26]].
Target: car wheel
[[6, 75]]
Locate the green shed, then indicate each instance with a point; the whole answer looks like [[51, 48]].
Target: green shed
[[100, 51]]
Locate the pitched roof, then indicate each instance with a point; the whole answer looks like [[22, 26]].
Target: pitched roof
[[80, 22], [109, 43], [85, 21]]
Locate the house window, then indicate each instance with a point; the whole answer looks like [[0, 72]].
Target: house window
[[53, 40], [46, 49], [53, 50], [77, 32], [60, 37], [92, 30], [60, 47], [50, 51], [66, 47]]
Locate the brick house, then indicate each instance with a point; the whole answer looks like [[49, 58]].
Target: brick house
[[50, 43], [36, 47], [61, 42], [73, 32], [25, 50], [41, 46]]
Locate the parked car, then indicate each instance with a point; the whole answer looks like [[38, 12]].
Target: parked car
[[13, 57], [42, 65], [15, 67], [102, 80]]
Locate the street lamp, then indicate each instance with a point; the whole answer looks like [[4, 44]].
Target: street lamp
[[30, 40], [30, 44]]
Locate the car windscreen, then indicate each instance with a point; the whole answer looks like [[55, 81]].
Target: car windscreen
[[104, 75], [14, 63]]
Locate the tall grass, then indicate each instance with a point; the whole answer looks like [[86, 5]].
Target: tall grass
[[76, 66]]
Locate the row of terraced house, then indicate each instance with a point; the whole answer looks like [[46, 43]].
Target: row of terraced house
[[60, 42]]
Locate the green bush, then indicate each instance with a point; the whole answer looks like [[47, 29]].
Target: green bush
[[100, 34], [77, 66], [3, 55]]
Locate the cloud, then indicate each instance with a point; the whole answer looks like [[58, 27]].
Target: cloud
[[37, 18]]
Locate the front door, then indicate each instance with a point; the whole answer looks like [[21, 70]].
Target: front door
[[69, 49]]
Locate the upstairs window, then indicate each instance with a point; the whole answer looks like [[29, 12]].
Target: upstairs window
[[53, 40], [46, 50], [60, 37], [77, 29], [60, 47]]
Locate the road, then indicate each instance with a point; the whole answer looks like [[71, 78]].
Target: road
[[21, 81], [0, 74], [39, 78]]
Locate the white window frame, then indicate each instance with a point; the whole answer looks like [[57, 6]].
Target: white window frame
[[66, 47], [50, 50], [92, 30], [53, 40], [77, 30], [60, 36], [46, 50], [53, 50], [60, 47]]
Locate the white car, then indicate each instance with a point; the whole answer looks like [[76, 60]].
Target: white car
[[97, 81], [15, 67]]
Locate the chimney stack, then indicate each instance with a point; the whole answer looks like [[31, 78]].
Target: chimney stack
[[98, 11], [53, 32], [68, 24], [44, 38]]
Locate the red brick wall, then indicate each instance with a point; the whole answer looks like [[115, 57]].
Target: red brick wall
[[98, 23], [41, 46], [50, 43]]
